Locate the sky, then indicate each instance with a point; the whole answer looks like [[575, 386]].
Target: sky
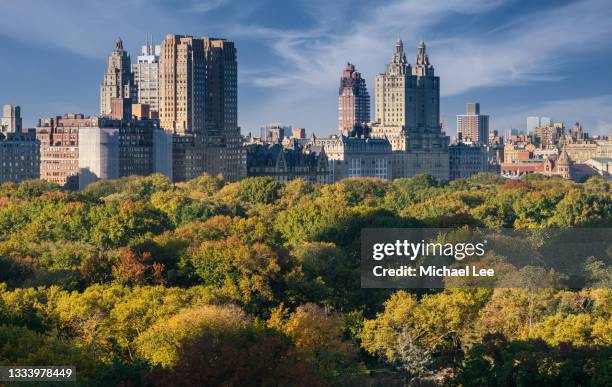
[[517, 58]]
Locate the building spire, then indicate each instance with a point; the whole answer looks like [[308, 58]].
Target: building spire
[[422, 66], [118, 44], [399, 46], [421, 55]]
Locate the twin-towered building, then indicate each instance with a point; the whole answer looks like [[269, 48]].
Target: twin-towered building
[[407, 119], [175, 112]]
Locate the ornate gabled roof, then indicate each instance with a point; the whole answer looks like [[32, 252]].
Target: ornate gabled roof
[[564, 158]]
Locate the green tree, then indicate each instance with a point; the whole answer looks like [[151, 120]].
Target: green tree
[[255, 190]]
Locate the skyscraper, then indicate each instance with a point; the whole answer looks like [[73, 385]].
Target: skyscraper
[[221, 86], [117, 82], [353, 100], [146, 77], [182, 82], [473, 126], [408, 115], [225, 154], [10, 122], [199, 98]]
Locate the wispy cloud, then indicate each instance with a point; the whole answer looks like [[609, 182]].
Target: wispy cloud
[[528, 48], [83, 27], [291, 60], [202, 6]]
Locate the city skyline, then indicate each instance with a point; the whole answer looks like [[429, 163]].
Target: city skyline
[[514, 63]]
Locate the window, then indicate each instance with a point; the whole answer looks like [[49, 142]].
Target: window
[[355, 168], [380, 168]]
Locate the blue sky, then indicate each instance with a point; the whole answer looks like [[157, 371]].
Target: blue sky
[[517, 58]]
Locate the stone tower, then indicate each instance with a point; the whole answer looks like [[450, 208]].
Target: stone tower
[[117, 82], [408, 115]]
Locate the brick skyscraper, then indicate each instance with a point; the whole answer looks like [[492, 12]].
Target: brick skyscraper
[[199, 98], [118, 82], [182, 82], [353, 100]]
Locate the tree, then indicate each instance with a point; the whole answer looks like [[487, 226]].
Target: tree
[[246, 274], [324, 274], [138, 268], [115, 225], [163, 342], [253, 190], [411, 358], [578, 208], [577, 329], [514, 312], [327, 218], [499, 362], [318, 335], [438, 321], [379, 336], [238, 357], [20, 346], [205, 184]]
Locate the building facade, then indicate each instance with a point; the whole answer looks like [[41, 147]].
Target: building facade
[[19, 157], [98, 155], [287, 163], [562, 166], [225, 153], [59, 148], [118, 81], [119, 148], [467, 160], [187, 157], [408, 115], [182, 82], [548, 135], [537, 122], [199, 100], [356, 156], [532, 123], [77, 150], [583, 150], [146, 78], [10, 122], [603, 166], [299, 133], [473, 126], [353, 100]]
